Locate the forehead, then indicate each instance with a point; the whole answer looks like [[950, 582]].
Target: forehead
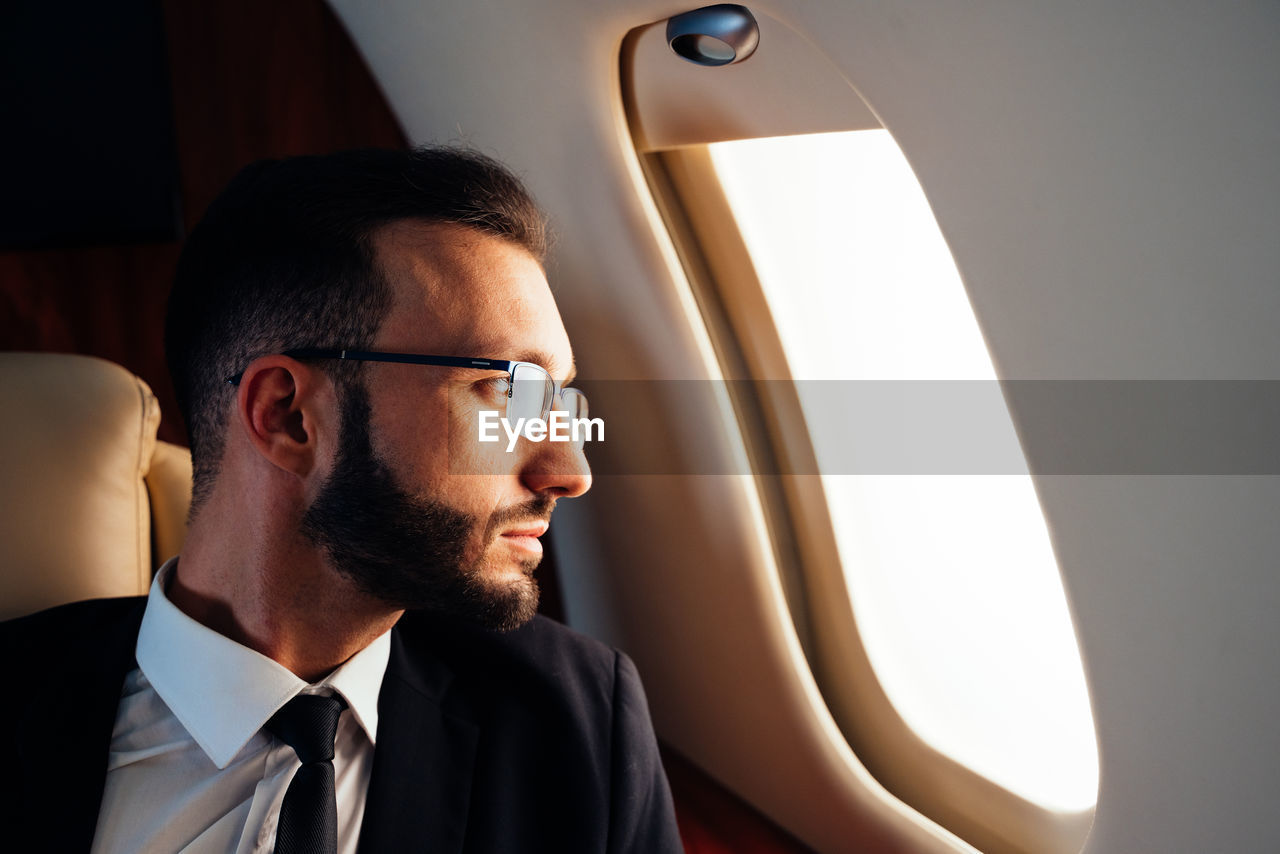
[[457, 291]]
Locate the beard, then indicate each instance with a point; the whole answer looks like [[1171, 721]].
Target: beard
[[408, 551]]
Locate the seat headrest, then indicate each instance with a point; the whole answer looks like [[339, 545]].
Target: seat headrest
[[77, 440]]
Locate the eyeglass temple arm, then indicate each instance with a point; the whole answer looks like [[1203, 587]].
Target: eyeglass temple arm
[[401, 358]]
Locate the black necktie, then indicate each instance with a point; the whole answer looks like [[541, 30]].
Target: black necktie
[[309, 815]]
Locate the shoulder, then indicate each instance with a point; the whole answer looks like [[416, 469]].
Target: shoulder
[[58, 629], [72, 654], [71, 643]]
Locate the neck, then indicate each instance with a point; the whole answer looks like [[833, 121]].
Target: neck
[[282, 601]]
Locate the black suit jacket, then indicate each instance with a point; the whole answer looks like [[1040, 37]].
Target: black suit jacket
[[534, 740]]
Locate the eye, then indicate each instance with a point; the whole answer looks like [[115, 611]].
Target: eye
[[495, 389]]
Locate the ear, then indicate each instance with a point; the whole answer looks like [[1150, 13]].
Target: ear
[[282, 406]]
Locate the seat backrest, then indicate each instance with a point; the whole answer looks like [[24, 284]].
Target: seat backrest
[[90, 501]]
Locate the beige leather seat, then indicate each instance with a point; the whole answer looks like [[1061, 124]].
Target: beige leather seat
[[91, 503]]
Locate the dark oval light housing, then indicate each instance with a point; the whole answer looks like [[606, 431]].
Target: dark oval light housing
[[714, 35]]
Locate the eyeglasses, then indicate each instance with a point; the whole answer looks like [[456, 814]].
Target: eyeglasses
[[530, 390]]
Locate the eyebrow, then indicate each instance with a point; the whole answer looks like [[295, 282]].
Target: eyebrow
[[540, 357]]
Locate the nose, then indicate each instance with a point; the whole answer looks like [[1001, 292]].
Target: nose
[[555, 469]]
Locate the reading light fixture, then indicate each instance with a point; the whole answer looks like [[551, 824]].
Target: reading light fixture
[[714, 35]]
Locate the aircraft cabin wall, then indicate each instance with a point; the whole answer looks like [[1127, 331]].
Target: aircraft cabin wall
[[1105, 177]]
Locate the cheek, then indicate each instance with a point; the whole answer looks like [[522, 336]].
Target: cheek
[[413, 442], [478, 445]]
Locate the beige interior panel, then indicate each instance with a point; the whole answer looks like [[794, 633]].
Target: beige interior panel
[[675, 103]]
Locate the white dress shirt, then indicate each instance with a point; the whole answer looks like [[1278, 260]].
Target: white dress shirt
[[190, 767]]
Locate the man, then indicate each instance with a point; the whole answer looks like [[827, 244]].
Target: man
[[337, 324]]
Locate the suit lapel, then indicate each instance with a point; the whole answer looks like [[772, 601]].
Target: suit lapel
[[421, 783], [69, 730]]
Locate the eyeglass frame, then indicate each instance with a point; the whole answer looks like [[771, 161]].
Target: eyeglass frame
[[437, 361]]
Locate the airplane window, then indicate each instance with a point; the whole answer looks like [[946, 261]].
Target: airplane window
[[953, 582]]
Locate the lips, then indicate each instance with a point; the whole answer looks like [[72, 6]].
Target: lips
[[531, 529], [524, 538]]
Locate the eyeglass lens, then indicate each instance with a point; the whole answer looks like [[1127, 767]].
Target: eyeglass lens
[[532, 393]]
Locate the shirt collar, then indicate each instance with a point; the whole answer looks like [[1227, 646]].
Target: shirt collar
[[223, 693]]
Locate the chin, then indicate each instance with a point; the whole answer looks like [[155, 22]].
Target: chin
[[511, 602]]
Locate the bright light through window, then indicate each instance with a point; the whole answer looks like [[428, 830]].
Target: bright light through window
[[953, 582]]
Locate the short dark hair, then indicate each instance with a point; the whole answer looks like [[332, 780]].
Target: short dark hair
[[284, 259]]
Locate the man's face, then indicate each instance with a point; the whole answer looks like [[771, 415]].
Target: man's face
[[410, 519]]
